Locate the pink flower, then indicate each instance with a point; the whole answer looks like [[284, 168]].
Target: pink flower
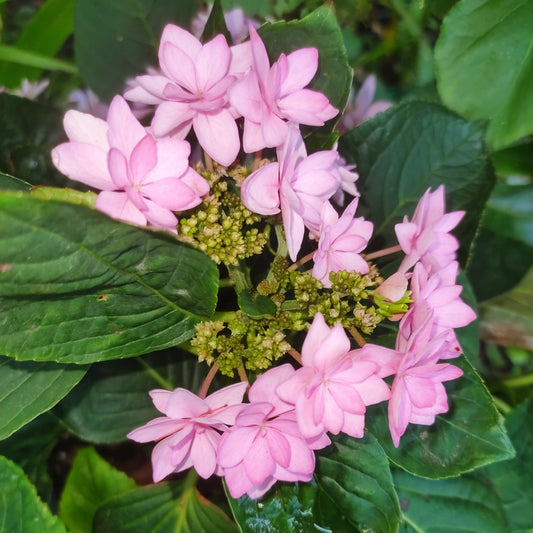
[[265, 443], [332, 388], [418, 394], [190, 432], [341, 240], [298, 186], [268, 96], [142, 179], [426, 237], [193, 90]]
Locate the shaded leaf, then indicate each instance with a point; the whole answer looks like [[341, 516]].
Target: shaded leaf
[[258, 307], [113, 398], [355, 487], [90, 483], [20, 507], [448, 505], [8, 182], [413, 146], [469, 435], [512, 479], [117, 39], [475, 78], [97, 289], [165, 507], [29, 388], [216, 24]]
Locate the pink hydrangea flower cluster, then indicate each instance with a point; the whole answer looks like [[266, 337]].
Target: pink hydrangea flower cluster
[[273, 437]]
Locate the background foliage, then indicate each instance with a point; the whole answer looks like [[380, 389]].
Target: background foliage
[[92, 312]]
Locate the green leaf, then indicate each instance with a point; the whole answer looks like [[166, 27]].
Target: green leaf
[[41, 38], [30, 447], [461, 505], [319, 29], [95, 289], [113, 397], [8, 182], [355, 487], [91, 482], [216, 24], [20, 507], [469, 435], [484, 61], [512, 479], [172, 507], [64, 195], [288, 507], [29, 388], [258, 307], [28, 131], [253, 8], [413, 146], [117, 39]]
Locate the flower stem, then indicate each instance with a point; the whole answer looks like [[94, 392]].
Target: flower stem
[[208, 162], [302, 261], [242, 373], [357, 336], [207, 381], [296, 355], [257, 160], [381, 253]]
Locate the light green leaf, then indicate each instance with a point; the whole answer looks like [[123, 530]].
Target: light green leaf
[[484, 61], [29, 388], [41, 39], [355, 487], [469, 435], [512, 479], [117, 39], [172, 508], [461, 505], [407, 149], [113, 398], [20, 507], [82, 287], [91, 482]]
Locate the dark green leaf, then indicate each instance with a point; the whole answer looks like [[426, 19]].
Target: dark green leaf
[[216, 24], [468, 336], [407, 149], [30, 447], [29, 388], [287, 507], [28, 131], [512, 479], [253, 8], [20, 507], [484, 61], [8, 182], [113, 398], [117, 39], [45, 33], [258, 307], [355, 487], [90, 483], [320, 30], [82, 287], [172, 507], [469, 435], [461, 505]]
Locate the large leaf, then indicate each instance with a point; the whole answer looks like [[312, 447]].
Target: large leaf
[[355, 487], [461, 505], [117, 39], [20, 507], [320, 30], [288, 507], [113, 398], [411, 147], [484, 60], [173, 507], [90, 482], [29, 388], [512, 479], [469, 435], [81, 287]]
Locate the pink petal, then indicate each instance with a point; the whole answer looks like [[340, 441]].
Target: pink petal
[[275, 130], [302, 66], [125, 131], [178, 66], [332, 350], [150, 89], [161, 461], [203, 452], [171, 115], [84, 128], [241, 58], [258, 462], [229, 395], [172, 160], [117, 205], [260, 56], [160, 398], [181, 39], [235, 444], [354, 425], [260, 190], [83, 162], [212, 63], [252, 138], [279, 447], [156, 429], [118, 168], [172, 194], [245, 97], [306, 107], [184, 404], [143, 159], [318, 331], [211, 128]]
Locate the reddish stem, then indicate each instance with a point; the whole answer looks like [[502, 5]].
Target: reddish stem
[[381, 253], [207, 381]]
